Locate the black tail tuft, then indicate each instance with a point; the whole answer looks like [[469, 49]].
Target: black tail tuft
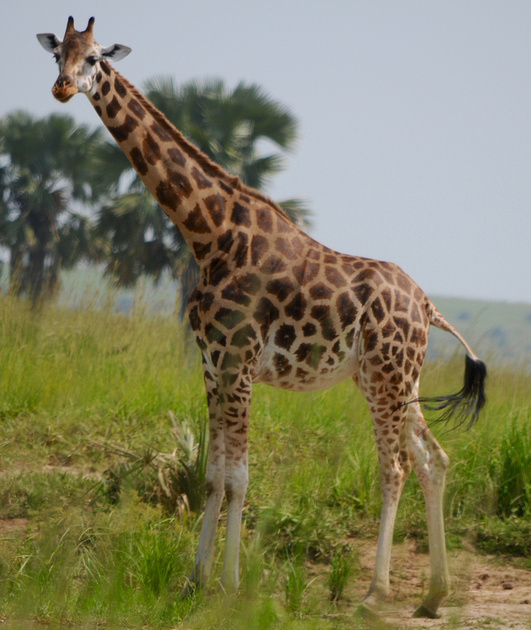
[[466, 403]]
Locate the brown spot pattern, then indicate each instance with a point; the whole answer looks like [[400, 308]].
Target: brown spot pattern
[[138, 162], [136, 108], [121, 132], [240, 215], [200, 179], [113, 108], [160, 132], [119, 87], [177, 156], [280, 288], [215, 206], [195, 221], [259, 246], [151, 149]]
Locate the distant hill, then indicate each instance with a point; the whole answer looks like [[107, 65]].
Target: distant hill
[[497, 331]]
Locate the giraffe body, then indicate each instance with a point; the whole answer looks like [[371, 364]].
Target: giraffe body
[[275, 306]]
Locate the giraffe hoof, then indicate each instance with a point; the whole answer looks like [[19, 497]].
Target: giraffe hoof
[[189, 590], [372, 618], [426, 613], [368, 612]]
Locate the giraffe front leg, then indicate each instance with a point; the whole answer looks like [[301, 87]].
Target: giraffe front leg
[[236, 481], [236, 425], [214, 486]]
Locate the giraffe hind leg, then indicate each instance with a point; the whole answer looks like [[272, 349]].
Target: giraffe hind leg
[[389, 418], [404, 442], [430, 463]]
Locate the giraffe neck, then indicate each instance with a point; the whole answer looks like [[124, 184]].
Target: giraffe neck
[[201, 199]]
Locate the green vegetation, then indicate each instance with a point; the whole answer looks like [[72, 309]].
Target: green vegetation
[[101, 419]]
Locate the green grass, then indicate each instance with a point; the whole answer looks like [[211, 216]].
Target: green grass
[[88, 394]]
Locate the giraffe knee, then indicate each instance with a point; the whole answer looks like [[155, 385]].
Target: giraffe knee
[[236, 485], [437, 458], [441, 460], [235, 492], [213, 487], [405, 461], [393, 477]]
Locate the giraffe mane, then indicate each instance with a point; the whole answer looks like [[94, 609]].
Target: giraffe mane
[[209, 166]]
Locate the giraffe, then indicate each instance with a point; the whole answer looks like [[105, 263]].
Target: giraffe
[[275, 306]]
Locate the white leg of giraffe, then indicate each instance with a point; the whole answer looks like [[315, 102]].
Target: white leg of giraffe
[[389, 429], [227, 474], [430, 463], [207, 539], [214, 483], [236, 480], [236, 425], [394, 471]]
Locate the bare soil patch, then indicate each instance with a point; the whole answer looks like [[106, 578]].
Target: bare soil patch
[[486, 592], [8, 525]]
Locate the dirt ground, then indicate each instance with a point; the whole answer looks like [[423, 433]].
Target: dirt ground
[[486, 592]]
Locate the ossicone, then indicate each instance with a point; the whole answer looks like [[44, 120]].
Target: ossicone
[[90, 26], [70, 26]]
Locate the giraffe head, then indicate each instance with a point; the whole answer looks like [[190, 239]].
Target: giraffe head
[[78, 57]]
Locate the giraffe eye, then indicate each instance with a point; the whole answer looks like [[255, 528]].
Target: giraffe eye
[[56, 57], [92, 60]]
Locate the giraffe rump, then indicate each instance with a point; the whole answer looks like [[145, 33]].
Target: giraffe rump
[[465, 404]]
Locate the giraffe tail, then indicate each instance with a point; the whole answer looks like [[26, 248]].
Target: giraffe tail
[[467, 403]]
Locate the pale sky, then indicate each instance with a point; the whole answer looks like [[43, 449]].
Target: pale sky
[[415, 128]]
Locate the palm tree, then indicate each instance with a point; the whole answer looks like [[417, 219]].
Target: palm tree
[[229, 125], [42, 178], [142, 240], [233, 127]]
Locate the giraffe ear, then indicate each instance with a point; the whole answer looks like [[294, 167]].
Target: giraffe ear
[[48, 41], [115, 52]]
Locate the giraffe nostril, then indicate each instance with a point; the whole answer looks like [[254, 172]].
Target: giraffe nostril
[[63, 82], [64, 88]]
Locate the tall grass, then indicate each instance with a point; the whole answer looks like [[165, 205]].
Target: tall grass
[[80, 389]]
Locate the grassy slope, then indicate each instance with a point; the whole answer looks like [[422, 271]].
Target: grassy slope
[[499, 331], [73, 383]]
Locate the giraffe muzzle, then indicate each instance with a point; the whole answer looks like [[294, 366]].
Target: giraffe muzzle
[[64, 89]]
